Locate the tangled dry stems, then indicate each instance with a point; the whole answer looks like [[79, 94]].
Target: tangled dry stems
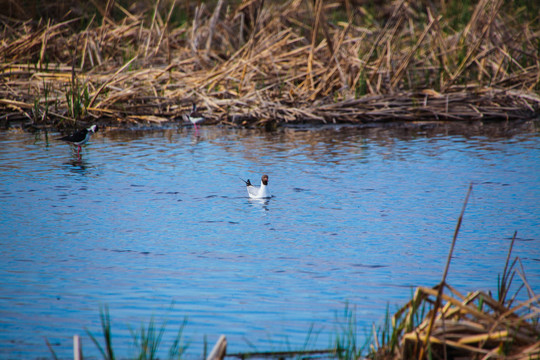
[[265, 63]]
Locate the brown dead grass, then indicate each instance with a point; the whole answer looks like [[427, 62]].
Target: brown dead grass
[[265, 63]]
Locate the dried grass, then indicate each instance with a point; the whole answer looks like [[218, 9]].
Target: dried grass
[[475, 326], [262, 63]]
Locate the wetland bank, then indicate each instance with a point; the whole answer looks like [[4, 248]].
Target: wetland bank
[[263, 63], [173, 207]]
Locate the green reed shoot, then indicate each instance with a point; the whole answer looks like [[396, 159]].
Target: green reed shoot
[[346, 341], [146, 340], [179, 347], [107, 352]]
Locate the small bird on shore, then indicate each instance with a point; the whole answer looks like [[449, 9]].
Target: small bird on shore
[[80, 137], [195, 117], [258, 192]]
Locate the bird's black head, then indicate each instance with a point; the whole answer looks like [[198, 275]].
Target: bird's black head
[[264, 179]]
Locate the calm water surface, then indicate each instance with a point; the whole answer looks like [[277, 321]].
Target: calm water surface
[[157, 224]]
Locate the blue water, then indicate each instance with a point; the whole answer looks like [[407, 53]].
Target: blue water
[[157, 224]]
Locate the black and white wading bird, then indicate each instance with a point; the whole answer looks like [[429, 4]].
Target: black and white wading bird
[[195, 117], [258, 192], [80, 137]]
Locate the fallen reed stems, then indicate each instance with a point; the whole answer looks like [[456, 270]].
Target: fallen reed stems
[[257, 63], [472, 326]]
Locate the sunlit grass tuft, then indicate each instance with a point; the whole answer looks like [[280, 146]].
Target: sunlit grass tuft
[[147, 340]]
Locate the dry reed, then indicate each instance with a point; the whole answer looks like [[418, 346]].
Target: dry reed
[[265, 63], [476, 326]]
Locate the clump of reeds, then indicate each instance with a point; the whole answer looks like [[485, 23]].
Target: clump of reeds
[[475, 326], [256, 62], [442, 323]]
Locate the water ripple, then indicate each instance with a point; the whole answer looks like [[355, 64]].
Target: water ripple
[[141, 220]]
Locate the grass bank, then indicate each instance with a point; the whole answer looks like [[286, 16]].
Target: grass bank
[[265, 63]]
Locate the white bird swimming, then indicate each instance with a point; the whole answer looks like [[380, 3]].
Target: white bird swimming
[[258, 192]]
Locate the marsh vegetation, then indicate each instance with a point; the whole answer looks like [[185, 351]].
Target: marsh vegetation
[[265, 63]]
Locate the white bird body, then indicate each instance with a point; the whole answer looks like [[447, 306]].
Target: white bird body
[[195, 117], [258, 192]]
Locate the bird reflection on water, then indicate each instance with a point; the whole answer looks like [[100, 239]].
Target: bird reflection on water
[[260, 203], [77, 164]]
